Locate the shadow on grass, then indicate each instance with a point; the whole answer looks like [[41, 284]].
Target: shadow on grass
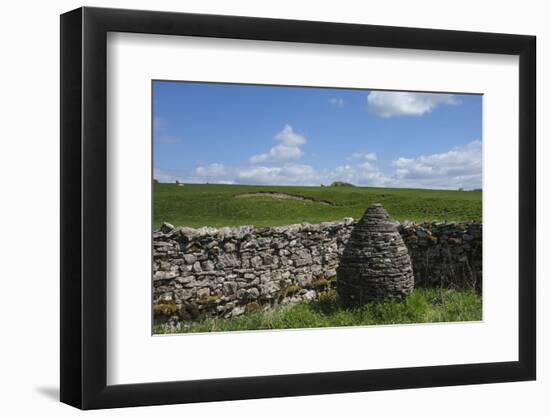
[[422, 306], [328, 304]]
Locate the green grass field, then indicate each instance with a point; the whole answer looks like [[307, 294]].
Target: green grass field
[[197, 205], [214, 205], [422, 306]]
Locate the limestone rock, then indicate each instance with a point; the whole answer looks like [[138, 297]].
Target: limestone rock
[[375, 263], [217, 270], [166, 228]]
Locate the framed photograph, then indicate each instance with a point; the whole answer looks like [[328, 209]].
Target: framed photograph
[[257, 208]]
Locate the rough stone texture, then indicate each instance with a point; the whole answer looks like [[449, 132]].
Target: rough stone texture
[[375, 263], [229, 271], [447, 255]]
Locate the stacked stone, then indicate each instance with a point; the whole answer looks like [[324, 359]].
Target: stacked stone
[[375, 263], [228, 271], [445, 254]]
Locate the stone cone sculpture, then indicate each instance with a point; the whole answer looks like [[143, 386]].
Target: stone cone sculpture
[[375, 263]]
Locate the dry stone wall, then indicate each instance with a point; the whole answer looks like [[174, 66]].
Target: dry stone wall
[[233, 270], [447, 255]]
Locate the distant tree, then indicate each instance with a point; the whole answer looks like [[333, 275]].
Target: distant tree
[[341, 184], [155, 181], [461, 189], [177, 182]]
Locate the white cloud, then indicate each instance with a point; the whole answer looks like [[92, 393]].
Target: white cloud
[[212, 170], [288, 137], [164, 175], [288, 174], [461, 167], [169, 175], [365, 174], [399, 103], [369, 156], [299, 174], [160, 134], [278, 153], [336, 101], [368, 167], [288, 149]]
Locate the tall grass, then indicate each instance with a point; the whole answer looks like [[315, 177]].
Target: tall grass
[[422, 306]]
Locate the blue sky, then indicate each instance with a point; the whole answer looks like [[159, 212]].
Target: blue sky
[[250, 134]]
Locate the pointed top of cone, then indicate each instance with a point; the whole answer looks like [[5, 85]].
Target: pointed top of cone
[[376, 211], [376, 218]]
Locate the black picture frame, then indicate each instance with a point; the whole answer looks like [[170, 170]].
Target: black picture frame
[[84, 207]]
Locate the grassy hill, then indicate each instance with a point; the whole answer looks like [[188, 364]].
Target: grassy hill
[[216, 205]]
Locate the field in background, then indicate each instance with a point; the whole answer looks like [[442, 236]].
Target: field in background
[[422, 306], [215, 205]]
